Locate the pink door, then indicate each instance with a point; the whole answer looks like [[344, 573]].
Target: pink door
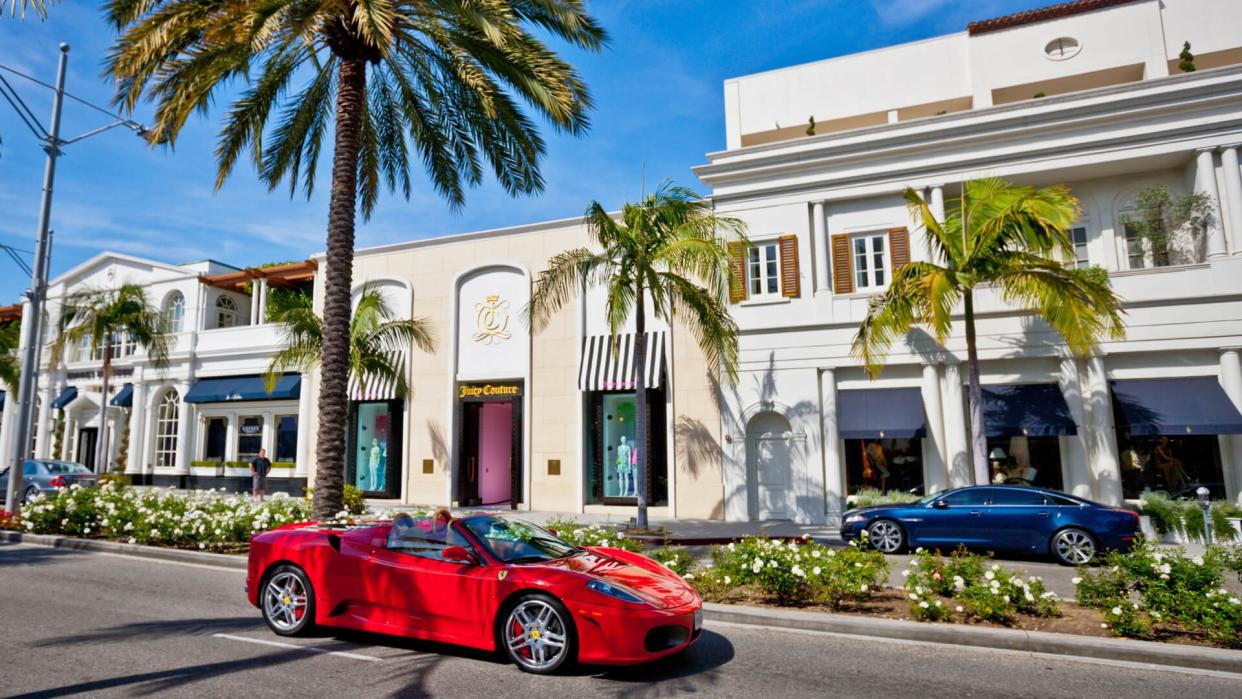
[[495, 452]]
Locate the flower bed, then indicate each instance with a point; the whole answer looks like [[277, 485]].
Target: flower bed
[[580, 534]]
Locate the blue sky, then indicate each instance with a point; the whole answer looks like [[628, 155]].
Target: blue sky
[[658, 91]]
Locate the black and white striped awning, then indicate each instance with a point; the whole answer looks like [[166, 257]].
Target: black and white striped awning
[[376, 388], [608, 363]]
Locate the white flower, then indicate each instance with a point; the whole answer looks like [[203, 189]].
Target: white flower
[[689, 576], [1076, 581], [995, 566], [990, 575], [816, 570], [919, 550], [914, 563], [1116, 611], [728, 580], [1103, 626], [863, 588], [913, 596], [924, 605], [905, 573], [1197, 560], [959, 609]]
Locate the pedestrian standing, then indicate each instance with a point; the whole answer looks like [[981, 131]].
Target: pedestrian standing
[[259, 466]]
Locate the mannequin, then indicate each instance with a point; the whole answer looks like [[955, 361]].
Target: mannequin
[[623, 466], [373, 466], [380, 483]]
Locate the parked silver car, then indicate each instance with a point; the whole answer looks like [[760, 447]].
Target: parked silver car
[[46, 476]]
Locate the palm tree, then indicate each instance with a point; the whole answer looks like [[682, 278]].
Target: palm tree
[[1008, 238], [666, 250], [447, 77], [39, 7], [10, 365], [106, 320], [375, 339]]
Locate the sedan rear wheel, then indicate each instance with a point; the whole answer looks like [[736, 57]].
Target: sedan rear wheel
[[30, 494], [288, 601], [886, 536], [1073, 547], [538, 634]]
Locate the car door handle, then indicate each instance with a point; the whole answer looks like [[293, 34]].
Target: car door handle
[[975, 513], [1042, 514]]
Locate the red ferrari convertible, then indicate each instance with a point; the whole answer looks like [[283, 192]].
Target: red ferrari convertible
[[488, 582]]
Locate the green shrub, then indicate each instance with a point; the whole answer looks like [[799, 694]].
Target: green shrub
[[1165, 515], [353, 502], [798, 572], [989, 593], [206, 464], [677, 560], [868, 497], [580, 534]]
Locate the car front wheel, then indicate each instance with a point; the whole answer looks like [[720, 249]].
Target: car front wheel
[[288, 601], [538, 634], [1073, 547], [886, 536]]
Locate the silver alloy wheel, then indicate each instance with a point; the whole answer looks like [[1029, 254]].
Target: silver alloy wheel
[[1075, 547], [535, 635], [885, 536], [284, 601], [29, 495]]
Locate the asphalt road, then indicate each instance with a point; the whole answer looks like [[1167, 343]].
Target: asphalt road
[[77, 623]]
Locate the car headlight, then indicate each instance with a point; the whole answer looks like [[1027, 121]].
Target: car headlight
[[854, 519], [613, 591]]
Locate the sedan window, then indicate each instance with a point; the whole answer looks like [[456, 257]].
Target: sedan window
[[30, 468], [969, 497], [59, 467], [424, 537], [1016, 496]]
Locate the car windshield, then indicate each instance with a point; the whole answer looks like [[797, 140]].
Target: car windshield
[[57, 467], [928, 498], [518, 541]]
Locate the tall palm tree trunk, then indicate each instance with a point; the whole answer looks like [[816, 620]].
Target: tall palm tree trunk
[[101, 446], [978, 440], [338, 283], [642, 431]]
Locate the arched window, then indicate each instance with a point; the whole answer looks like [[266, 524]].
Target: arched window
[[166, 429], [226, 312], [174, 312]]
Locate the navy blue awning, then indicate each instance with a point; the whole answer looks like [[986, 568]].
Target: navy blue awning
[[1, 400], [125, 397], [1032, 410], [227, 389], [878, 413], [1193, 405], [65, 398]]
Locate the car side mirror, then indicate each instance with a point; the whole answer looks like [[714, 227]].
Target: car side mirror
[[553, 532], [940, 505], [459, 554]]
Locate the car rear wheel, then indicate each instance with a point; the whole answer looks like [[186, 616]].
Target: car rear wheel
[[538, 634], [1073, 547], [30, 494], [886, 536], [288, 601]]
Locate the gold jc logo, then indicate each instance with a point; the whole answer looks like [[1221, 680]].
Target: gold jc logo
[[491, 320]]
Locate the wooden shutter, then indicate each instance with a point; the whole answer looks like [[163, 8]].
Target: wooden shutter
[[899, 247], [789, 266], [737, 272], [842, 265]]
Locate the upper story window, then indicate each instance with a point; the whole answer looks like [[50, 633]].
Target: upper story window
[[226, 312], [1078, 234], [766, 270], [1141, 251], [869, 255], [1062, 48], [763, 271], [174, 312]]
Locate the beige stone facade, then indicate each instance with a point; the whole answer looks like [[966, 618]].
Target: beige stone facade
[[474, 290]]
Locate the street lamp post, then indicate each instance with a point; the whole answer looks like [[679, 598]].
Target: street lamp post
[[31, 340]]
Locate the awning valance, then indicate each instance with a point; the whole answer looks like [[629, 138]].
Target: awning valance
[[125, 397], [65, 398], [608, 362], [378, 389], [228, 389], [1191, 405], [1031, 410], [880, 413]]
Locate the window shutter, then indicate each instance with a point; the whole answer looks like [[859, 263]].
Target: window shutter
[[842, 265], [789, 266], [737, 272], [899, 247]]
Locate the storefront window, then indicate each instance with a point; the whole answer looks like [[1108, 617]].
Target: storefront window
[[884, 465], [1026, 461], [216, 438], [249, 437], [286, 438], [371, 440], [1176, 465], [613, 466]]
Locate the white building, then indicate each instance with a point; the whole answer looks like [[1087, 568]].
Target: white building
[[197, 421], [1087, 94]]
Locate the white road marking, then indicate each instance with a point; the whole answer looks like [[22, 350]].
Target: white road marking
[[294, 646], [1004, 651]]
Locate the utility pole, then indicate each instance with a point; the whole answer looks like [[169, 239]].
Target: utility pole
[[31, 341]]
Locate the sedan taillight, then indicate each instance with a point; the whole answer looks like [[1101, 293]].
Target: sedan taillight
[[58, 482]]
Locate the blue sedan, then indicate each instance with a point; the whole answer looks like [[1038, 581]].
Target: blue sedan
[[1014, 519]]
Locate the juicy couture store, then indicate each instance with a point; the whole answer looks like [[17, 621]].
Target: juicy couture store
[[489, 422]]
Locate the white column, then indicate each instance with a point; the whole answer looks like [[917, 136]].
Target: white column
[[1101, 435], [937, 201], [819, 243], [66, 439], [230, 436], [137, 420], [1077, 469], [268, 438], [834, 468], [118, 418], [935, 472], [261, 313], [7, 419], [302, 469], [185, 430], [1233, 194], [961, 473], [1231, 444], [43, 441], [1205, 182]]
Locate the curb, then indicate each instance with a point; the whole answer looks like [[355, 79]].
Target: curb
[[216, 560], [1148, 652]]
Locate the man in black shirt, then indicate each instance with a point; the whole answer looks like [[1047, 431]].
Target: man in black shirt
[[259, 466]]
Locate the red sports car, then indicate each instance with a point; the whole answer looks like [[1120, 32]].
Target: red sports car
[[488, 582]]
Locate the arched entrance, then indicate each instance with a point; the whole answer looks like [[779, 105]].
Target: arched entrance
[[769, 452]]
